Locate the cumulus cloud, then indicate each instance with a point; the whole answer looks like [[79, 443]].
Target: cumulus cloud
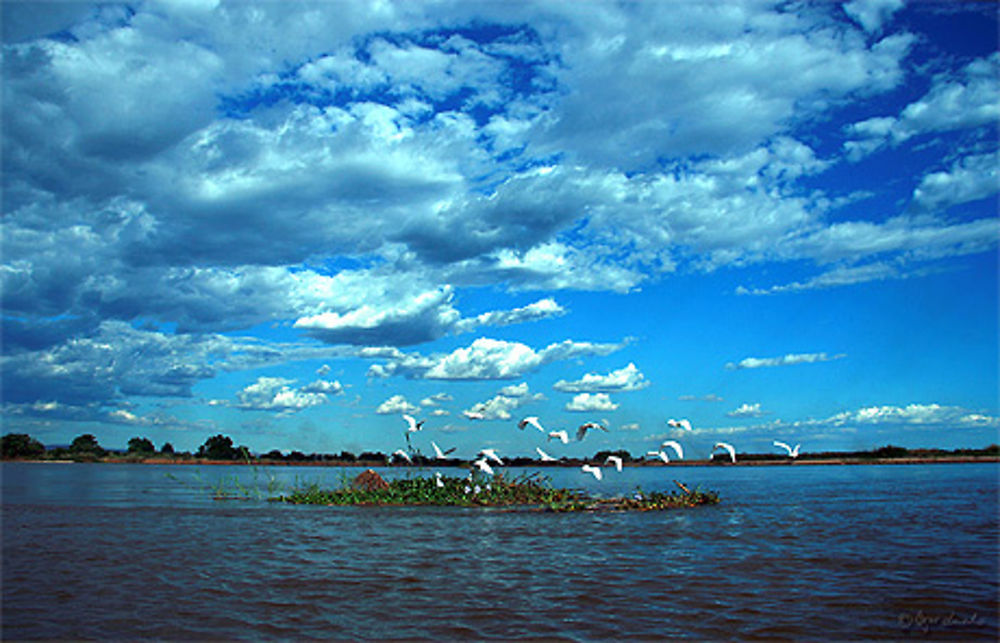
[[872, 14], [583, 402], [785, 360], [970, 178], [628, 378], [275, 394], [502, 405], [746, 410], [541, 309], [396, 404], [324, 386]]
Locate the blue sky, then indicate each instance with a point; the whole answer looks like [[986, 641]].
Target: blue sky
[[292, 222]]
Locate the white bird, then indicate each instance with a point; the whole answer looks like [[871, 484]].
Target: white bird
[[412, 426], [614, 460], [679, 424], [596, 471], [661, 455], [792, 453], [544, 456], [582, 431], [533, 421], [727, 447], [483, 466], [492, 455], [403, 454], [438, 453], [438, 480], [562, 435], [673, 444]]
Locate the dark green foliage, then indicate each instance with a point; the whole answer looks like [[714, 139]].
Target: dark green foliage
[[218, 447], [20, 445], [86, 444], [141, 446], [167, 448]]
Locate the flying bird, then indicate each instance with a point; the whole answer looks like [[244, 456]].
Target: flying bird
[[412, 426], [727, 447], [483, 466], [438, 453], [544, 456], [679, 424], [661, 455], [582, 431], [533, 421], [403, 454], [491, 454], [562, 435], [617, 461], [596, 471], [792, 453], [673, 444]]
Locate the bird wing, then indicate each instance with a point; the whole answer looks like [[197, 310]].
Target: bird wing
[[729, 448], [676, 446], [783, 446], [411, 423]]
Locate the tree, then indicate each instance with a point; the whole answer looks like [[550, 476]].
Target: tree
[[86, 444], [20, 445], [141, 446], [167, 448], [218, 447]]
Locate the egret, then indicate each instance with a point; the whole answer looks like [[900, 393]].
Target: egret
[[483, 466], [661, 455], [792, 453], [544, 456], [596, 471], [438, 453], [403, 454], [679, 424], [673, 444], [438, 481], [582, 431], [491, 454], [562, 435], [533, 421], [412, 426], [617, 461], [727, 447]]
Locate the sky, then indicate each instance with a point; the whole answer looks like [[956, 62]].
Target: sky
[[291, 223]]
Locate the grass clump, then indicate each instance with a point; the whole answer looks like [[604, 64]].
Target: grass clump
[[530, 491]]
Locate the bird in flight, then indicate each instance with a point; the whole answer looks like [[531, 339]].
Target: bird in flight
[[661, 455], [596, 471], [679, 424], [792, 453], [544, 456], [438, 453], [403, 454], [483, 466], [491, 454], [615, 460], [582, 431], [533, 421], [412, 426], [673, 444], [562, 435], [728, 447]]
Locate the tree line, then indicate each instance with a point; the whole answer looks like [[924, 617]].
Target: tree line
[[86, 448]]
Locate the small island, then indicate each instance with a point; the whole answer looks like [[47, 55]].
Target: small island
[[526, 492]]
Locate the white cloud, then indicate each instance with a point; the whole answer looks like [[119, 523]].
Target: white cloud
[[591, 402], [396, 404], [628, 378], [275, 394], [541, 309], [872, 14], [324, 386], [785, 360], [435, 400], [968, 179], [746, 410], [501, 406]]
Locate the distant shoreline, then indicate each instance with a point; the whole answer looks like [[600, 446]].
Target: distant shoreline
[[567, 464]]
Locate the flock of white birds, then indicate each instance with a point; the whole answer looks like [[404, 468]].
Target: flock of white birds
[[485, 456]]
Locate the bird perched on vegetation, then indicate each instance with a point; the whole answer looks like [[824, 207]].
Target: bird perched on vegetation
[[596, 471], [727, 447], [792, 453], [561, 435], [581, 432], [533, 421]]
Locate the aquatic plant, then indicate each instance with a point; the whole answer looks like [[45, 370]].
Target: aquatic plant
[[528, 490]]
